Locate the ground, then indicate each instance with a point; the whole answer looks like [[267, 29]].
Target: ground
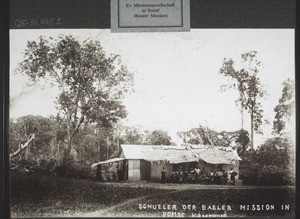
[[59, 197]]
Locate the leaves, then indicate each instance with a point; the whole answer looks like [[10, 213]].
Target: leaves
[[158, 137], [91, 83], [285, 107], [135, 135], [248, 85], [207, 136], [270, 164]]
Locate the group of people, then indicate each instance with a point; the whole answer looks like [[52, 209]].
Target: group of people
[[195, 175], [223, 177]]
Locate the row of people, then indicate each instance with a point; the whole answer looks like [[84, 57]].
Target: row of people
[[195, 175]]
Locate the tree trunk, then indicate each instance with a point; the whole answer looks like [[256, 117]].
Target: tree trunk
[[69, 143], [242, 117], [23, 146], [67, 152], [70, 135], [100, 154], [252, 134], [118, 145], [107, 143]]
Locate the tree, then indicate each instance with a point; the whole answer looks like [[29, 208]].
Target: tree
[[29, 131], [35, 143], [133, 135], [91, 83], [243, 140], [199, 135], [207, 136], [247, 82], [158, 137], [285, 108]]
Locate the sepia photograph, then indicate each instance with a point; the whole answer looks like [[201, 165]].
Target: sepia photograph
[[152, 124]]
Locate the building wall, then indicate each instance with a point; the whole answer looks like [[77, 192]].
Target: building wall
[[134, 173], [145, 170], [208, 167], [156, 168]]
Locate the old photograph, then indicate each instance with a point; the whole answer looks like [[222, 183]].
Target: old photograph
[[165, 124]]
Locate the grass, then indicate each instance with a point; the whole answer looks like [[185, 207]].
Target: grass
[[34, 196], [45, 195]]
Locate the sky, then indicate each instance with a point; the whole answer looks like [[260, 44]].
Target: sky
[[177, 80]]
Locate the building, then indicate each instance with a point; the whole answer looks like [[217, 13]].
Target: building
[[145, 162]]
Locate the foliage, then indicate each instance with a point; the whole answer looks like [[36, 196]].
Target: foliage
[[45, 156], [207, 136], [158, 137], [248, 84], [242, 140], [200, 135], [285, 108], [45, 152], [133, 135], [270, 164], [91, 83], [21, 129]]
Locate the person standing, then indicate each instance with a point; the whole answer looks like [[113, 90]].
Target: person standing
[[163, 176], [232, 176]]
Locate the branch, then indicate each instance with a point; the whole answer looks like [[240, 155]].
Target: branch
[[23, 146]]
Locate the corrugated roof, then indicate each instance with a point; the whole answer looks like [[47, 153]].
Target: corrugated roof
[[107, 161], [181, 154]]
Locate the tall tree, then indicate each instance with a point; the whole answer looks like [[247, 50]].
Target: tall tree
[[91, 83], [247, 82], [285, 108]]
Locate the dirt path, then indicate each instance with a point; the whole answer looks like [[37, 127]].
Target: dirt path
[[112, 210]]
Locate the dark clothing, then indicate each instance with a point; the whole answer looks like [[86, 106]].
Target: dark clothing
[[232, 178], [163, 176]]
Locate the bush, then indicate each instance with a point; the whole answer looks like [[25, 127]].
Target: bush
[[270, 164], [73, 172]]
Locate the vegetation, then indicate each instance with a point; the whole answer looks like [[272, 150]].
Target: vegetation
[[91, 84], [250, 89], [135, 135], [90, 145], [270, 164], [207, 136], [285, 108], [47, 151]]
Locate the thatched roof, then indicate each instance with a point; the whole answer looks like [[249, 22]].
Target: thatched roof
[[181, 154]]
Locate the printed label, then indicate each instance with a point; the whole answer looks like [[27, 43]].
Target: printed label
[[154, 15]]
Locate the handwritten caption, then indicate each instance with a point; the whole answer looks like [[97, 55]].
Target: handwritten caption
[[37, 23]]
